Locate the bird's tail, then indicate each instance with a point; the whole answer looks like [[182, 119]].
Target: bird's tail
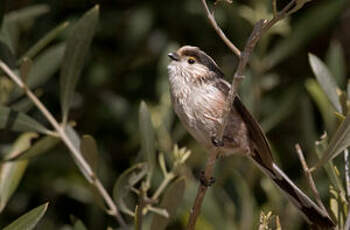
[[311, 212]]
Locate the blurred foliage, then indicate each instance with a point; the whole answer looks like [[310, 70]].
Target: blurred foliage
[[133, 145]]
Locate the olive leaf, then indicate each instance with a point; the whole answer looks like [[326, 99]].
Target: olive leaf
[[11, 172], [43, 145], [339, 142], [171, 200], [147, 138], [19, 122], [326, 80], [78, 43], [29, 220], [124, 184]]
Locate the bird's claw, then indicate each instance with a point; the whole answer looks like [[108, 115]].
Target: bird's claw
[[206, 182]]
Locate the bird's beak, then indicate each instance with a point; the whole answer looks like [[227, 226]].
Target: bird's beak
[[174, 56]]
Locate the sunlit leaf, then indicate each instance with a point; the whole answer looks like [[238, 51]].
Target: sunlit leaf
[[339, 142], [29, 220], [336, 62], [39, 147], [78, 43], [171, 200], [125, 182], [43, 42], [11, 172], [147, 136], [326, 80], [20, 122]]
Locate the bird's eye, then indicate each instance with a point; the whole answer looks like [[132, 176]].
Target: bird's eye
[[191, 60]]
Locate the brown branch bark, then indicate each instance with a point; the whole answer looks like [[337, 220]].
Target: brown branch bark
[[202, 190], [309, 178]]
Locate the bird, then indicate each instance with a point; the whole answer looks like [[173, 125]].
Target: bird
[[198, 94]]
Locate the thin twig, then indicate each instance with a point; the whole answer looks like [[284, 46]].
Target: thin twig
[[347, 173], [260, 28], [84, 166], [202, 190], [218, 30], [309, 178]]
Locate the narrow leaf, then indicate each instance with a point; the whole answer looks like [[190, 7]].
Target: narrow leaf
[[326, 80], [89, 150], [321, 147], [43, 68], [336, 62], [29, 220], [39, 147], [76, 51], [147, 137], [11, 172], [19, 122], [79, 225], [125, 182], [339, 142], [75, 139], [11, 24], [6, 55], [171, 201], [25, 68], [42, 43]]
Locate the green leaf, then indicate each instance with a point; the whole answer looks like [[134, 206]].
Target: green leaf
[[39, 147], [29, 220], [77, 48], [43, 68], [43, 42], [304, 30], [339, 142], [19, 122], [336, 62], [125, 182], [79, 225], [11, 24], [75, 139], [322, 102], [321, 147], [11, 172], [326, 81], [147, 138], [6, 55], [89, 150], [173, 197]]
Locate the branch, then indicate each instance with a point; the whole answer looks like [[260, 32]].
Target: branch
[[218, 30], [202, 190], [309, 178], [260, 28], [83, 165]]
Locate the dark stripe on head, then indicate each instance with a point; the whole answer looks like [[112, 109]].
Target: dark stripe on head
[[202, 57]]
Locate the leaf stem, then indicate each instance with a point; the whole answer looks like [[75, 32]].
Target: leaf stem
[[84, 166]]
